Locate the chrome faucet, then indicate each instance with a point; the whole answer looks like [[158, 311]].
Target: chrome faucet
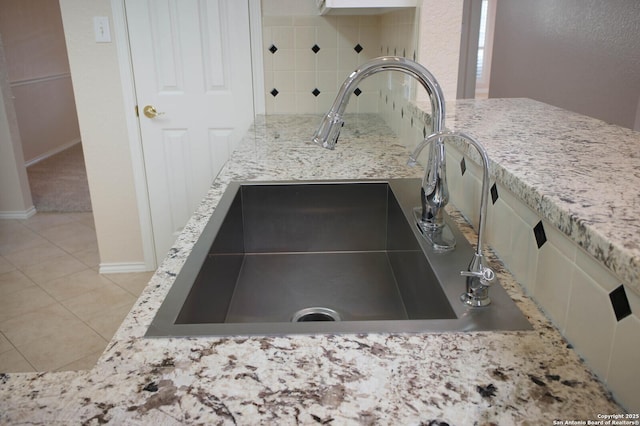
[[434, 193], [479, 276]]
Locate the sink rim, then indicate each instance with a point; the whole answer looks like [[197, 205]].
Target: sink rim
[[501, 315]]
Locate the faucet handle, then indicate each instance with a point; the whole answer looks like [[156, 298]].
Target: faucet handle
[[486, 275]]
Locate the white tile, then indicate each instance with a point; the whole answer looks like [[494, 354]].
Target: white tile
[[597, 271], [284, 81], [327, 60], [590, 322], [560, 241], [284, 60], [553, 283], [624, 374], [500, 220], [327, 37], [523, 257], [306, 103], [282, 38], [305, 37], [305, 82], [305, 60], [327, 82]]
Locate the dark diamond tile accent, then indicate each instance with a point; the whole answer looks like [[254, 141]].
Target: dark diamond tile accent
[[620, 303], [315, 92], [411, 121], [494, 193], [357, 92], [538, 232], [274, 93], [394, 105], [404, 53], [273, 48], [463, 166], [395, 51], [414, 55], [424, 133], [315, 48], [401, 112], [358, 48]]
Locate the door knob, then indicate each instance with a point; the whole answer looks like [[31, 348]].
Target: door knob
[[151, 112]]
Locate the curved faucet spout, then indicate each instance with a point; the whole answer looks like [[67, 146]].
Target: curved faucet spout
[[434, 181], [329, 130], [479, 276]]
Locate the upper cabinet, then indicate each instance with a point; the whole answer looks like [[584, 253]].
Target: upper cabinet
[[362, 7]]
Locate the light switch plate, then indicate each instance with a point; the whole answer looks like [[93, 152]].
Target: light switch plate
[[101, 29]]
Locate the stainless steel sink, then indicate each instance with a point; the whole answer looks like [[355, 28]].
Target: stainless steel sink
[[323, 257]]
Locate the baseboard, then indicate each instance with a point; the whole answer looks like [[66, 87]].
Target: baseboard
[[24, 214], [52, 152], [120, 268]]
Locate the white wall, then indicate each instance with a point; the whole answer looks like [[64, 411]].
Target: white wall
[[38, 73], [15, 196], [98, 93]]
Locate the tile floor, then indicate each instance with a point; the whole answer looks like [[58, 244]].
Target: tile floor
[[56, 311]]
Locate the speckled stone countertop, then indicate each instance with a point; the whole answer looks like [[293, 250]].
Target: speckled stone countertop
[[480, 378], [579, 173]]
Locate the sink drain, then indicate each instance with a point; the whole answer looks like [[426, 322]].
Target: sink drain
[[315, 314]]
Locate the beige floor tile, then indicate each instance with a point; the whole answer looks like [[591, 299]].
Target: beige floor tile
[[8, 226], [79, 242], [23, 301], [5, 344], [54, 351], [14, 281], [67, 231], [5, 266], [34, 255], [86, 363], [89, 256], [50, 320], [107, 323], [133, 282], [13, 362], [54, 268], [75, 284], [93, 303], [43, 220], [19, 239]]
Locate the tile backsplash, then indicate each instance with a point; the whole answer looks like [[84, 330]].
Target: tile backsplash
[[306, 59]]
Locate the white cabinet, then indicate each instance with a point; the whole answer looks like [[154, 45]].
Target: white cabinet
[[362, 7]]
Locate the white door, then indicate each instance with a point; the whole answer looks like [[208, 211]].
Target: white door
[[192, 65]]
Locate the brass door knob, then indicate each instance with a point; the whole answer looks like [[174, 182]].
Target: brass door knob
[[151, 112]]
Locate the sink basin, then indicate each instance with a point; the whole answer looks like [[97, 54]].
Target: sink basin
[[323, 257]]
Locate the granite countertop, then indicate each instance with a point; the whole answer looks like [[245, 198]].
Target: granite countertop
[[579, 173], [458, 378]]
